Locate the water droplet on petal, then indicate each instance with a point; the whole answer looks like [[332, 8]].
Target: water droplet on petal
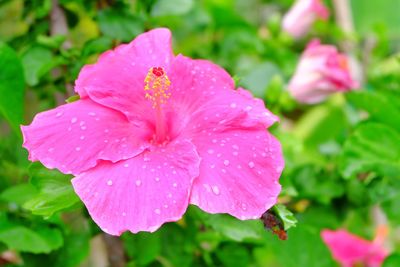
[[226, 162], [109, 182], [77, 148], [59, 114], [157, 211], [74, 119], [215, 189], [251, 164], [138, 182]]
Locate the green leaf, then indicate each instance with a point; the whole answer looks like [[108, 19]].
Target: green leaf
[[177, 246], [51, 41], [304, 246], [11, 87], [72, 98], [142, 247], [313, 183], [321, 124], [171, 7], [96, 46], [233, 255], [372, 147], [392, 261], [41, 240], [119, 25], [55, 191], [368, 14], [235, 229], [19, 193], [257, 79], [286, 216], [37, 61], [76, 241], [381, 107]]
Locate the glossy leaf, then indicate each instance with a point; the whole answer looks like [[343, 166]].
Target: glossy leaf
[[55, 191]]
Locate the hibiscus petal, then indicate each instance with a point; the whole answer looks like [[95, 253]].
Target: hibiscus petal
[[142, 193], [349, 249], [204, 97], [73, 137], [239, 173], [117, 79]]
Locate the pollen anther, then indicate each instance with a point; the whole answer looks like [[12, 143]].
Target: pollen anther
[[157, 86]]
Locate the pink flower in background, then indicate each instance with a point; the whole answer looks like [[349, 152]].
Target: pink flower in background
[[297, 22], [153, 132], [349, 249], [322, 70]]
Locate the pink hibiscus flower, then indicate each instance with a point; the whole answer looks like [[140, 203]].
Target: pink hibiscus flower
[[322, 71], [350, 250], [297, 22], [153, 132]]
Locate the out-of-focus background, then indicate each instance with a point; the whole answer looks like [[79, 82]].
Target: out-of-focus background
[[342, 155]]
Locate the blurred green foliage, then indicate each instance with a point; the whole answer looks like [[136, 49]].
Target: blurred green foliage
[[342, 156]]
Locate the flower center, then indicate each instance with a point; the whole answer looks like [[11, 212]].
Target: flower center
[[156, 87]]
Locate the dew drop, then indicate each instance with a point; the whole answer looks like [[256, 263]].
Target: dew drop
[[82, 137], [126, 165], [233, 105], [77, 148], [251, 164], [59, 114], [210, 151], [226, 162], [157, 211], [215, 189], [74, 119], [157, 179], [138, 182], [109, 182]]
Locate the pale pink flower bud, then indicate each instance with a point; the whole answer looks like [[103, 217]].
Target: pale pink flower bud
[[322, 70], [302, 15]]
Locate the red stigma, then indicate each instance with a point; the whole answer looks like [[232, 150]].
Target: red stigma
[[158, 71]]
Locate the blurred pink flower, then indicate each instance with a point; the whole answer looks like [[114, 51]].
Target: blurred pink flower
[[322, 70], [153, 132], [301, 16], [349, 249]]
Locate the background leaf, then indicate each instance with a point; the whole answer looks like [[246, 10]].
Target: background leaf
[[11, 87], [373, 147]]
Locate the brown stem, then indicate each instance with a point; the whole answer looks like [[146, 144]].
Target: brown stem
[[115, 251]]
